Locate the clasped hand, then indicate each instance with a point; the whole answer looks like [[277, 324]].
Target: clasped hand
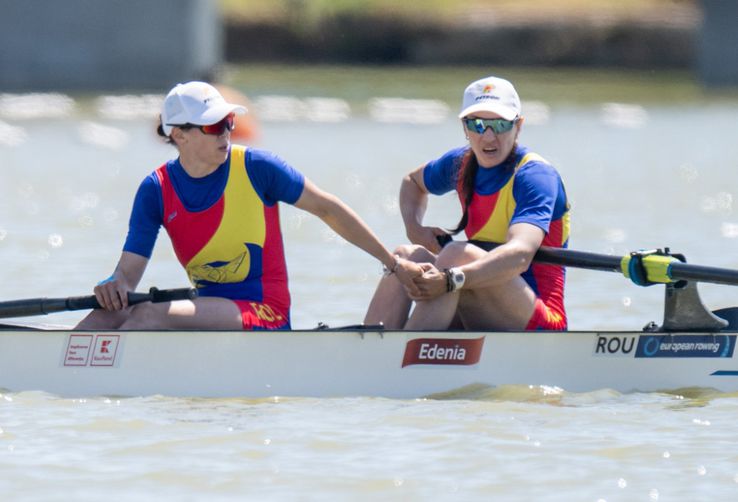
[[422, 281]]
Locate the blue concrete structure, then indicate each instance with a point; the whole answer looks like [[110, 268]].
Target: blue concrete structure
[[111, 45], [718, 51]]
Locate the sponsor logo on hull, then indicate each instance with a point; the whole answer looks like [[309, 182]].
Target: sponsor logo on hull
[[615, 345], [89, 350], [78, 350], [685, 346], [443, 351], [662, 346]]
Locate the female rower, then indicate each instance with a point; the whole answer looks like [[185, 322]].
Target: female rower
[[219, 205], [513, 202]]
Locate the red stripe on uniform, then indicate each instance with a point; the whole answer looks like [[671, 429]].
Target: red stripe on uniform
[[480, 211], [188, 234], [274, 270]]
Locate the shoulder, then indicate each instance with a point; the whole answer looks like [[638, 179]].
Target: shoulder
[[162, 171], [452, 156], [449, 162], [440, 175], [156, 178], [267, 164], [264, 158], [170, 170], [148, 198], [530, 163], [274, 179]]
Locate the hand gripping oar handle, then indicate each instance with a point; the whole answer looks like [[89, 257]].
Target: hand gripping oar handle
[[43, 306], [154, 295]]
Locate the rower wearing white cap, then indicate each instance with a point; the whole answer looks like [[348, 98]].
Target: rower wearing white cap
[[513, 202], [220, 206]]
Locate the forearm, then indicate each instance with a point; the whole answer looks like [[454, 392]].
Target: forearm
[[112, 293], [130, 269], [498, 266], [413, 204], [346, 223]]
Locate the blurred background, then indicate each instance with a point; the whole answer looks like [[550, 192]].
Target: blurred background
[[89, 45], [634, 101]]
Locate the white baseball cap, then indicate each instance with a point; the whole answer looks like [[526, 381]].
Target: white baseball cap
[[491, 94], [197, 103]]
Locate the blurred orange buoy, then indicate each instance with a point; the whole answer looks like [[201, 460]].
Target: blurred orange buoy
[[247, 128]]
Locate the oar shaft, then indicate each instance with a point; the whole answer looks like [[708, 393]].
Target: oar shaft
[[578, 259], [678, 271], [567, 257], [32, 306], [700, 273], [43, 306]]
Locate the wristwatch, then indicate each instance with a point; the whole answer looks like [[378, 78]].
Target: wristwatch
[[455, 279]]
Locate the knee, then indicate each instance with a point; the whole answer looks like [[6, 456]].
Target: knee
[[455, 254], [413, 252]]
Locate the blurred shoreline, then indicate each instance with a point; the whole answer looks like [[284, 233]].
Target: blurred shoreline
[[656, 36]]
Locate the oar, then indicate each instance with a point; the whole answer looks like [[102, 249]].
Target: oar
[[642, 267], [660, 267], [43, 306], [683, 308]]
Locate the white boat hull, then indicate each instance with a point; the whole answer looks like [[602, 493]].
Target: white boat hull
[[351, 363]]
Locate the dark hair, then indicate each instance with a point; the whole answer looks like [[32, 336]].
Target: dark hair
[[168, 139], [466, 181], [465, 186]]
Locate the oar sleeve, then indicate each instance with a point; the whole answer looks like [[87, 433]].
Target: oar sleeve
[[646, 268]]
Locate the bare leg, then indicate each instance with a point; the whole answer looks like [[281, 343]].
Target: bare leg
[[504, 306], [434, 314], [201, 313], [104, 319], [390, 304]]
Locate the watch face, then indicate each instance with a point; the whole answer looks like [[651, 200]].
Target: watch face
[[458, 277]]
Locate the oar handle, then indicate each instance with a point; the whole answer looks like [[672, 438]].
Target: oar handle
[[154, 295], [43, 306]]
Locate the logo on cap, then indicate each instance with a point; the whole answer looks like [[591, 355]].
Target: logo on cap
[[488, 88]]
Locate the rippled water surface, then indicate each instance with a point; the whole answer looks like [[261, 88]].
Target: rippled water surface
[[510, 444], [639, 175]]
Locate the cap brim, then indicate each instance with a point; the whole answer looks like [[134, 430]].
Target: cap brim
[[217, 113], [505, 112]]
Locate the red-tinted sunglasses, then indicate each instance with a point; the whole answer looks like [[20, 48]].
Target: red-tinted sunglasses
[[226, 124]]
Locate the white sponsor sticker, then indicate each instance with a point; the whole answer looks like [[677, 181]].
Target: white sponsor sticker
[[106, 347], [78, 350]]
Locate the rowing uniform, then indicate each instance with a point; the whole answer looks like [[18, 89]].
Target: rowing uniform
[[225, 229], [524, 189]]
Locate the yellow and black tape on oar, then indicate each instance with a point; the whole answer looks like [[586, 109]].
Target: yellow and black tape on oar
[[646, 268]]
